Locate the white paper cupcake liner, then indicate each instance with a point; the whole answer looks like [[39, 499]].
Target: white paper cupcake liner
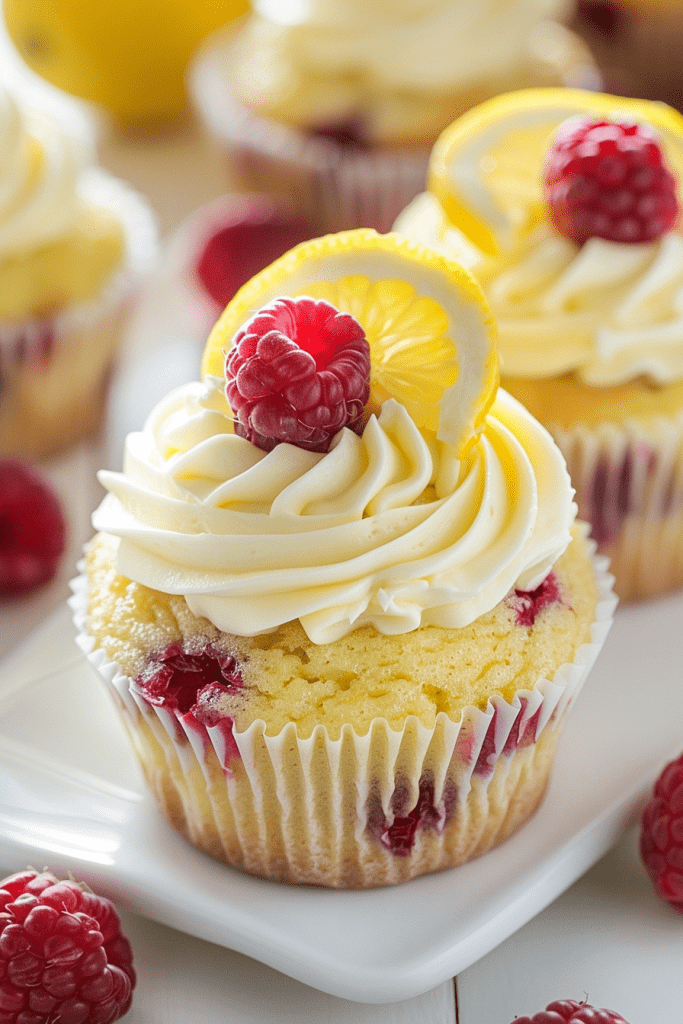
[[357, 811], [55, 370], [629, 486], [36, 339], [333, 186]]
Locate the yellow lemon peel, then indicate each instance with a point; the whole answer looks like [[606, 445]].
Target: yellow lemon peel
[[430, 331], [484, 168]]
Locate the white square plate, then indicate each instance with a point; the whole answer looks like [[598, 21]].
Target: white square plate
[[71, 798]]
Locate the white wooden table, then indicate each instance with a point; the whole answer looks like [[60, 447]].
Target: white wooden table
[[608, 937]]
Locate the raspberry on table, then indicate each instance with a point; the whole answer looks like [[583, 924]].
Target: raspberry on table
[[568, 1011], [608, 179], [298, 371], [661, 837], [63, 957], [255, 232], [32, 529]]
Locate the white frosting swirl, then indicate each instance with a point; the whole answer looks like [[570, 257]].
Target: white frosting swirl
[[39, 171], [387, 529], [609, 311], [422, 45]]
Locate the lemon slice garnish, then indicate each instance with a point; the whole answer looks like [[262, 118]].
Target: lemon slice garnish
[[430, 331], [486, 168]]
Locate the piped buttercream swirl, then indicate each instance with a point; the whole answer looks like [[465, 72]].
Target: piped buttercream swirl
[[608, 311], [388, 529], [40, 164]]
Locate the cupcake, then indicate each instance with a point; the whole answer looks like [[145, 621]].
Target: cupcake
[[73, 243], [637, 46], [565, 206], [335, 106], [338, 592]]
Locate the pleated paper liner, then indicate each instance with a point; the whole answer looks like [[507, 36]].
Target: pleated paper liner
[[55, 369], [629, 486], [358, 811]]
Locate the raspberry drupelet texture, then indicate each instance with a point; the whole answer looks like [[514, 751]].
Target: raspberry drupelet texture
[[63, 957], [607, 179], [298, 371], [32, 529], [661, 839], [568, 1011]]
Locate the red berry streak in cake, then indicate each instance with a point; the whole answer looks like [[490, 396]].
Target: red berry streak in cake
[[191, 685], [63, 957], [661, 839], [611, 494], [528, 604], [568, 1011], [347, 132], [297, 372], [32, 529], [607, 179], [254, 232], [399, 836]]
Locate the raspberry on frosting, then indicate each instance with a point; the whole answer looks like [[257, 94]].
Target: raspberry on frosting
[[298, 371], [608, 179]]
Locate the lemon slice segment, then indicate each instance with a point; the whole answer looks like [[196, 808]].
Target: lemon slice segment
[[430, 331], [485, 169]]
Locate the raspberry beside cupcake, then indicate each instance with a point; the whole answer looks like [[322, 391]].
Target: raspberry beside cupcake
[[344, 661]]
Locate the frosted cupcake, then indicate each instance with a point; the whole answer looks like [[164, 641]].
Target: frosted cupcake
[[336, 105], [339, 595], [585, 277], [73, 243], [637, 45]]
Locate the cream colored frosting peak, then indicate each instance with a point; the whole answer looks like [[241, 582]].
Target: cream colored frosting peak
[[39, 171], [413, 44], [387, 529], [608, 311]]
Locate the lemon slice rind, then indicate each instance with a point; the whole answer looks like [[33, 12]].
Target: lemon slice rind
[[457, 171], [387, 260]]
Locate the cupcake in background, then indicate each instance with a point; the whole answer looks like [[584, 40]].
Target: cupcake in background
[[566, 207], [335, 105], [338, 594], [637, 45], [73, 244]]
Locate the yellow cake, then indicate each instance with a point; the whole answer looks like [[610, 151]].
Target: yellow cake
[[73, 242], [591, 336], [344, 661]]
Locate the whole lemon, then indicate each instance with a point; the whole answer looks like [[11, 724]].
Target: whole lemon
[[129, 55]]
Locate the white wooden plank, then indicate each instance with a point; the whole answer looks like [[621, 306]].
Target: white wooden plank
[[609, 939], [185, 979]]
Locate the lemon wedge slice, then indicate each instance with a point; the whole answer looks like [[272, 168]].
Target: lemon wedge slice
[[432, 337], [485, 169]]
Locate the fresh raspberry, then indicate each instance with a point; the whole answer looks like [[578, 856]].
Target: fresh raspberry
[[32, 529], [661, 837], [568, 1011], [255, 231], [607, 179], [63, 958], [298, 371]]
